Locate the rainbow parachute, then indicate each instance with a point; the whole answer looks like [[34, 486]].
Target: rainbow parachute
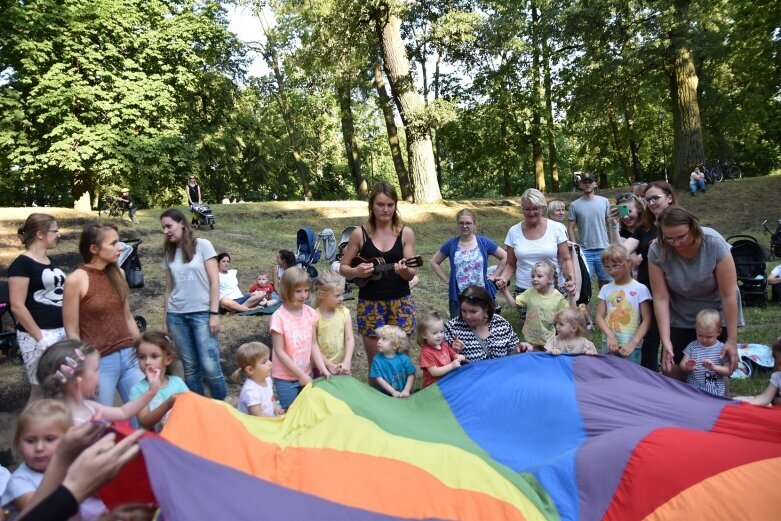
[[533, 436]]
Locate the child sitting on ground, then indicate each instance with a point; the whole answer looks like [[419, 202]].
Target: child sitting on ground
[[542, 301], [294, 338], [155, 350], [624, 308], [266, 288], [334, 325], [772, 393], [69, 371], [571, 335], [702, 361], [437, 358], [392, 368], [257, 393]]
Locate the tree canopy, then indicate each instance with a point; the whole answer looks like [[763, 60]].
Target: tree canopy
[[447, 98]]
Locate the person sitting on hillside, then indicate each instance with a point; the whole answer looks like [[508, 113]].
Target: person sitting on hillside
[[231, 297]]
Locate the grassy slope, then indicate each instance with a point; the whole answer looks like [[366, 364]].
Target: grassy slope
[[253, 233]]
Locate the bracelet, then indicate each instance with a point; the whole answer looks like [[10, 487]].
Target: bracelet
[[614, 226], [214, 312]]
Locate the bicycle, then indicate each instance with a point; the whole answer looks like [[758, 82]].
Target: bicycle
[[731, 170], [712, 175], [112, 208]]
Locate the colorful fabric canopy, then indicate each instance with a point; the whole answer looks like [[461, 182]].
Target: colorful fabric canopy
[[532, 436]]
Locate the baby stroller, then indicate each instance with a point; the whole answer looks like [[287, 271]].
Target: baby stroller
[[308, 248], [775, 238], [750, 266], [202, 216], [131, 264], [8, 346]]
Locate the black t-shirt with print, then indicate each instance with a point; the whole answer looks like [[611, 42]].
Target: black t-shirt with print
[[44, 293]]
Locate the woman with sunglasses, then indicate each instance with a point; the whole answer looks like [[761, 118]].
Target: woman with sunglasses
[[533, 240], [35, 293], [658, 196], [193, 190], [478, 332], [468, 256], [691, 269]]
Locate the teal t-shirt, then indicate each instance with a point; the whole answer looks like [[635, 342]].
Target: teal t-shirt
[[175, 386], [393, 370]]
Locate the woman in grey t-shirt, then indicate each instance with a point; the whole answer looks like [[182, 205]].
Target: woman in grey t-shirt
[[691, 269], [191, 303]]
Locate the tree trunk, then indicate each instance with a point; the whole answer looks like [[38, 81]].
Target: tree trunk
[[634, 147], [435, 133], [537, 100], [507, 181], [688, 149], [553, 154], [618, 144], [348, 135], [272, 59], [419, 149], [393, 133]]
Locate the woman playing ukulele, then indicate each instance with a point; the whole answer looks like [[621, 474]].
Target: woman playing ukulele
[[386, 300]]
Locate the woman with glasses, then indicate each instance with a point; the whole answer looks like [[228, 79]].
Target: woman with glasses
[[193, 190], [658, 196], [478, 332], [533, 240], [468, 256], [691, 269], [35, 292]]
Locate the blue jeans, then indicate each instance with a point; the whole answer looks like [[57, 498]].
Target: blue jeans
[[287, 391], [200, 352], [118, 371], [697, 185], [594, 264]]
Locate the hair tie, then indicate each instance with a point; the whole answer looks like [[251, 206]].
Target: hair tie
[[66, 370], [79, 354], [61, 377]]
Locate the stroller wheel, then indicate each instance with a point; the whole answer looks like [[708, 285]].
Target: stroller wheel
[[312, 271], [211, 226]]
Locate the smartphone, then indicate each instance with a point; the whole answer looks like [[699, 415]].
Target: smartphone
[[623, 210]]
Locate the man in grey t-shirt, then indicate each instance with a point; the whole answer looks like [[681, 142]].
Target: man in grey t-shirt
[[590, 213]]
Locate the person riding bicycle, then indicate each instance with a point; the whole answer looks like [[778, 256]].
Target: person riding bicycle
[[127, 202]]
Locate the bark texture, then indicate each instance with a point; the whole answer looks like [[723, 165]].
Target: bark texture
[[420, 152], [350, 141]]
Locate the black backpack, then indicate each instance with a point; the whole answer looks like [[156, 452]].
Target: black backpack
[[582, 278]]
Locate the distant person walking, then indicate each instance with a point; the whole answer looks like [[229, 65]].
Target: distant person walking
[[590, 213], [126, 200], [193, 190], [35, 291]]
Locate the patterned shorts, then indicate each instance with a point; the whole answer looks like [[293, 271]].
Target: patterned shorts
[[373, 314], [32, 350]]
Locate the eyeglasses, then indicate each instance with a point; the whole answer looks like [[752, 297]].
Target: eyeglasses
[[472, 299], [465, 224], [615, 267], [653, 199], [676, 240], [536, 209]]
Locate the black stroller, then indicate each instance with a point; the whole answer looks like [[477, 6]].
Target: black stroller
[[8, 346], [750, 265], [308, 248], [202, 216], [131, 264]]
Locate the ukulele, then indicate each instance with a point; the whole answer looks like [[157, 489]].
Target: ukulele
[[380, 268]]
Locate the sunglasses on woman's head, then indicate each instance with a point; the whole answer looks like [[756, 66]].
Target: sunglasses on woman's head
[[626, 197], [473, 299]]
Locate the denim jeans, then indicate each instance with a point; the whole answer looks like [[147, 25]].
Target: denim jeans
[[199, 350], [697, 185], [594, 265], [287, 391], [118, 371]]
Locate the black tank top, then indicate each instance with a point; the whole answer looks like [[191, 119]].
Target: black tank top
[[193, 193], [391, 286]]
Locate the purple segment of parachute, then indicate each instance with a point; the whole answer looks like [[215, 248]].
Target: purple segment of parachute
[[208, 485], [621, 403]]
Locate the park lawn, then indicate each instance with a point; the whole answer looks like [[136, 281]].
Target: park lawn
[[253, 233]]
